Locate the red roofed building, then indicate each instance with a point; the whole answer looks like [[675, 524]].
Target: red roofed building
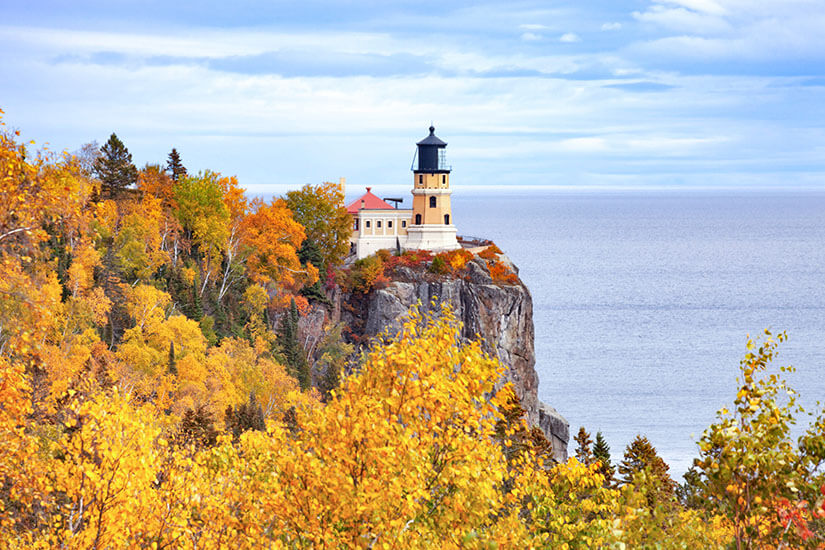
[[377, 224], [427, 225]]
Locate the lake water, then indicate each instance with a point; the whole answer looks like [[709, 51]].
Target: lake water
[[643, 300]]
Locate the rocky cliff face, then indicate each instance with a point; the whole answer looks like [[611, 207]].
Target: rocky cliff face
[[502, 315]]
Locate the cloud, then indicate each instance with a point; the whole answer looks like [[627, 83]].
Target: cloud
[[735, 36], [300, 101], [683, 20], [701, 6], [641, 86]]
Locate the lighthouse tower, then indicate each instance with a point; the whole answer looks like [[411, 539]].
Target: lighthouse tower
[[431, 226]]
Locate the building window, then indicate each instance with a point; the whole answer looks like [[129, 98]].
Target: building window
[[356, 225], [418, 219], [389, 223], [420, 179], [432, 202], [378, 223], [446, 219], [444, 179], [368, 224], [403, 223]]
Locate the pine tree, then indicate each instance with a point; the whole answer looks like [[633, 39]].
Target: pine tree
[[293, 352], [640, 456], [601, 452], [174, 166], [114, 167], [330, 381], [173, 367], [198, 427], [310, 253], [246, 416], [583, 452]]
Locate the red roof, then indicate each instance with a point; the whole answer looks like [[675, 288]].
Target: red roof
[[368, 201]]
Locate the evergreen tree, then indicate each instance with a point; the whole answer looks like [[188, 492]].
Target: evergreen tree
[[174, 166], [246, 416], [198, 427], [293, 352], [310, 253], [114, 167], [692, 492], [173, 367], [330, 381], [584, 454], [601, 452], [333, 355], [640, 456]]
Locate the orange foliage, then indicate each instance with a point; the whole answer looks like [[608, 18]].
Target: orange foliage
[[500, 273], [490, 252], [153, 180], [274, 238]]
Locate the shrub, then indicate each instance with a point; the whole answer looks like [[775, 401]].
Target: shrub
[[490, 252], [365, 273], [500, 273], [439, 265]]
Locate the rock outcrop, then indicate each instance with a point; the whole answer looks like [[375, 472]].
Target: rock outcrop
[[501, 315]]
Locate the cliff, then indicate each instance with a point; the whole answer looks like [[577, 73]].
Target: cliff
[[500, 314]]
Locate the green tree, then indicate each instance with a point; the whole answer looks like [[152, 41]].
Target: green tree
[[641, 462], [310, 253], [291, 348], [334, 354], [174, 165], [584, 453], [320, 209], [601, 452], [205, 217], [114, 166], [749, 469]]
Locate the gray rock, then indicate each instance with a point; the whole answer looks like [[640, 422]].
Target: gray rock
[[556, 428], [500, 316]]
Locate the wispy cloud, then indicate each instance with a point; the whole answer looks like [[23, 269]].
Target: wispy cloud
[[730, 88]]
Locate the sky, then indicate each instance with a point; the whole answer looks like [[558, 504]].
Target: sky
[[594, 94]]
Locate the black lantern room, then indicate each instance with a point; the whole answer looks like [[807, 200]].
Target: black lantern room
[[431, 155]]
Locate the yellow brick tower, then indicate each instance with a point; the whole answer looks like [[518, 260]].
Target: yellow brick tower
[[432, 224]]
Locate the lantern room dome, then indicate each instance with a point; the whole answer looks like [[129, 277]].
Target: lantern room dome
[[432, 139]]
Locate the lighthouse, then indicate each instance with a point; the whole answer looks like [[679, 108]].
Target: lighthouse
[[431, 226]]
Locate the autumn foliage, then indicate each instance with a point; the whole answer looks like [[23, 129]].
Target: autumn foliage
[[145, 401]]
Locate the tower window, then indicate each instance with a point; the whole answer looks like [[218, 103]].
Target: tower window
[[432, 202], [446, 219], [418, 219], [444, 178], [420, 179]]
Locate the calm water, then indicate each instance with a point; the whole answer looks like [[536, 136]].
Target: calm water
[[643, 301]]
